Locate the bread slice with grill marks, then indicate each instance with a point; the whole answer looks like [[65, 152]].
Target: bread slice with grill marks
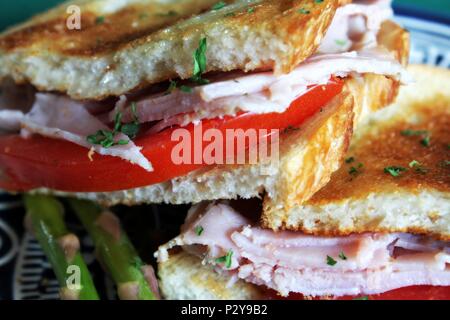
[[130, 44]]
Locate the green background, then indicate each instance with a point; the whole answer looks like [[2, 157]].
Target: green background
[[13, 11]]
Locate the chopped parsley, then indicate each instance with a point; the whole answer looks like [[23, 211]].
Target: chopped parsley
[[425, 141], [250, 10], [226, 259], [342, 255], [106, 138], [173, 86], [186, 89], [219, 5], [303, 11], [100, 20], [200, 62], [361, 298], [394, 170], [331, 261], [350, 160], [418, 167], [424, 133], [199, 230], [411, 133], [229, 14], [356, 170], [318, 1], [341, 42]]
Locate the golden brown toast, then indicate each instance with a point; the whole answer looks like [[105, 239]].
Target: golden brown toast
[[370, 193], [126, 45]]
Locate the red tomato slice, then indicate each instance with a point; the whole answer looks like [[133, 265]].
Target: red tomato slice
[[56, 164], [406, 293]]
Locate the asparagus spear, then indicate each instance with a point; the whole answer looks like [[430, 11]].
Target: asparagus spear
[[45, 215], [134, 280]]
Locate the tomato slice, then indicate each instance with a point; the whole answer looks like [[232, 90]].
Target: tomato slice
[[406, 293], [56, 164]]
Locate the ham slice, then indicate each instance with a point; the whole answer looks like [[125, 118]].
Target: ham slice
[[261, 92], [62, 118], [355, 26], [288, 261]]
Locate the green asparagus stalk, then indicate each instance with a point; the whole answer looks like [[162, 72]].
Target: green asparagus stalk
[[116, 253], [45, 216]]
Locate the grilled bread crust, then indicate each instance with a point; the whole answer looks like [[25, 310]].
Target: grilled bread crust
[[371, 200], [127, 45]]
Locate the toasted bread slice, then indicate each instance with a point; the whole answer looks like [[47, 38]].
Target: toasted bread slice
[[184, 277], [126, 45], [412, 134], [308, 156]]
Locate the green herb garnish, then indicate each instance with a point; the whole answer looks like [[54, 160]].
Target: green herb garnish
[[226, 259], [318, 1], [186, 89], [341, 42], [250, 10], [342, 255], [394, 170], [199, 230], [425, 141], [106, 138], [219, 5], [331, 261], [200, 62], [426, 135], [411, 133], [356, 170], [417, 166], [350, 160], [100, 20], [303, 11], [361, 298]]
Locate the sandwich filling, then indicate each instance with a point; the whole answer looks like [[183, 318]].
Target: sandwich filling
[[293, 262], [113, 129]]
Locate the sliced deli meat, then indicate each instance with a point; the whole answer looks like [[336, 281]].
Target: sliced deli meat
[[292, 262], [261, 92], [62, 118], [355, 26]]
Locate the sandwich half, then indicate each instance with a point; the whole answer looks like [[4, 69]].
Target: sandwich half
[[380, 229], [106, 95]]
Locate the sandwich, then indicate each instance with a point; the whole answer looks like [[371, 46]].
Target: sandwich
[[111, 97], [378, 230], [132, 102]]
